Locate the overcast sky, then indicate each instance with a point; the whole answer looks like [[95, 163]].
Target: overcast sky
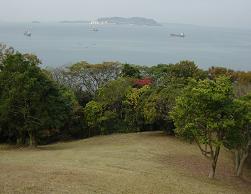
[[227, 13]]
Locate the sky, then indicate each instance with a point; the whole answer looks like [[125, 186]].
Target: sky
[[224, 13]]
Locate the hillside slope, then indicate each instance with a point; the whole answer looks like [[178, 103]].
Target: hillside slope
[[124, 163]]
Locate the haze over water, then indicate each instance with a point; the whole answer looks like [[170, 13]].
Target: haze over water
[[59, 44]]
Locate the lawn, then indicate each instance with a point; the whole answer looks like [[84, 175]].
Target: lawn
[[123, 163]]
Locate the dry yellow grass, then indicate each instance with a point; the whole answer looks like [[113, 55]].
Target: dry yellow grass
[[124, 163]]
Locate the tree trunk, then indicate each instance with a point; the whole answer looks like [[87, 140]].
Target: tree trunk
[[214, 162], [241, 165], [19, 141], [240, 158], [20, 138], [89, 132], [32, 139], [212, 171], [237, 160]]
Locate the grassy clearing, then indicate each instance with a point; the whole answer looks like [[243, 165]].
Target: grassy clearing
[[124, 163]]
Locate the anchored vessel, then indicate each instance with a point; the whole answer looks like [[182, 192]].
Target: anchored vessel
[[27, 33], [181, 35], [94, 29]]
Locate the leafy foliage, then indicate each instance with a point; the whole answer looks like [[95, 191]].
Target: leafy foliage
[[212, 108], [87, 77], [204, 113], [130, 71], [239, 139], [29, 101]]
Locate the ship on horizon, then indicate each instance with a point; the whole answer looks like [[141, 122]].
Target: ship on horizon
[[95, 29], [27, 33], [181, 35]]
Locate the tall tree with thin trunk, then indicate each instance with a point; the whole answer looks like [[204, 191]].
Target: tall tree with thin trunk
[[239, 139], [203, 113]]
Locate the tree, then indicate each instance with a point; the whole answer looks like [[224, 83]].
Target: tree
[[204, 113], [106, 112], [84, 77], [4, 51], [130, 71], [113, 93], [239, 139], [241, 79], [156, 105], [180, 73], [215, 72], [29, 101], [93, 111], [131, 106]]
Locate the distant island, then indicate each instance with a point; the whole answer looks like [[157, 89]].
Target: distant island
[[36, 22], [133, 21], [140, 21], [74, 21]]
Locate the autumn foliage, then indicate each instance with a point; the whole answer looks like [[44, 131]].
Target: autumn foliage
[[143, 82]]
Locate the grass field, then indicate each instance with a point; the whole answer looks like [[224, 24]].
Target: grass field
[[124, 163]]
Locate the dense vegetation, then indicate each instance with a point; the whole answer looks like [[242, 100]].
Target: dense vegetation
[[211, 108]]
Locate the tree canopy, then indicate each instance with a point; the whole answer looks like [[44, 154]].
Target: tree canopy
[[204, 113], [29, 101], [209, 107]]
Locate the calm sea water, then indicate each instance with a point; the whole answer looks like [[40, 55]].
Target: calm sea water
[[60, 44]]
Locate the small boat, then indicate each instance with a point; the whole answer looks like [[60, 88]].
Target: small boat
[[94, 29], [27, 33], [181, 35]]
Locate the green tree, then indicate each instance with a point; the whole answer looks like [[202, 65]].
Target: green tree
[[113, 93], [105, 113], [4, 52], [239, 139], [204, 113], [93, 111], [130, 71], [156, 103], [29, 101], [180, 72], [131, 106]]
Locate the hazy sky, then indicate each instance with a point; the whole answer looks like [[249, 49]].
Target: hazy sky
[[231, 13]]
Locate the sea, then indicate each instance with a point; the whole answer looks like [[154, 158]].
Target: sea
[[60, 44]]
